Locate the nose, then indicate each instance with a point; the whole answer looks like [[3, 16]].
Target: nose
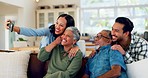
[[63, 36], [112, 32], [57, 26]]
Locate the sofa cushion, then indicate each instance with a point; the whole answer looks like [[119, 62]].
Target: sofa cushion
[[14, 64], [138, 69]]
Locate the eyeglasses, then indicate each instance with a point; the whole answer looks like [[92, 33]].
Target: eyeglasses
[[99, 36]]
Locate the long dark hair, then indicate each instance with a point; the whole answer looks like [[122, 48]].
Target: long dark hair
[[70, 23]]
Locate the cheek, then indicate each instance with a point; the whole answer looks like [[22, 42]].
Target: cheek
[[62, 37], [99, 42], [62, 29], [120, 35], [70, 40]]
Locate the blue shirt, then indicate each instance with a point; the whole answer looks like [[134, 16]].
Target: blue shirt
[[45, 32], [102, 62]]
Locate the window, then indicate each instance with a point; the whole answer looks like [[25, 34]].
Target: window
[[96, 15]]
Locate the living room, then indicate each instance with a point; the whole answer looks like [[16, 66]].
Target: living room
[[89, 17], [26, 14]]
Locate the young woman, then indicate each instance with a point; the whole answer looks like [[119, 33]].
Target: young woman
[[49, 33]]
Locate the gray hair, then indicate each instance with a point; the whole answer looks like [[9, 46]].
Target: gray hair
[[75, 32]]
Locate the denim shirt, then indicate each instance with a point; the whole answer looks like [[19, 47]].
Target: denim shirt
[[45, 32], [102, 62]]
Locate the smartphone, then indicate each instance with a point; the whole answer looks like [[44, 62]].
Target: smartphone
[[11, 25]]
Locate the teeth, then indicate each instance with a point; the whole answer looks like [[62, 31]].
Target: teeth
[[63, 40], [57, 30], [113, 37]]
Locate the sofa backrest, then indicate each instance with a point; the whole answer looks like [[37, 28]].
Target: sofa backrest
[[36, 68]]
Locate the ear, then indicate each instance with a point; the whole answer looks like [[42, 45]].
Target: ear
[[109, 41], [126, 34], [74, 42]]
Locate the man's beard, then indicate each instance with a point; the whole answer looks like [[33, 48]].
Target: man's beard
[[116, 41]]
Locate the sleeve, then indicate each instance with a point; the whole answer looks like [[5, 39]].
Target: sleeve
[[143, 48], [75, 65], [87, 68], [34, 32], [72, 69], [43, 55], [116, 58]]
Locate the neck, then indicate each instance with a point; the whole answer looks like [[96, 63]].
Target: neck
[[125, 42], [67, 48]]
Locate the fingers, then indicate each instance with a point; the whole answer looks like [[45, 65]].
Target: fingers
[[115, 47], [92, 54], [72, 53], [119, 48], [9, 20], [58, 40], [7, 23]]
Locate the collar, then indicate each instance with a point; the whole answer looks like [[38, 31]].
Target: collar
[[104, 47], [132, 39]]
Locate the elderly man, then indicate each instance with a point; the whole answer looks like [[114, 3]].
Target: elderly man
[[106, 63]]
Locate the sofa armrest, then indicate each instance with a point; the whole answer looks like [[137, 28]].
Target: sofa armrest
[[36, 68]]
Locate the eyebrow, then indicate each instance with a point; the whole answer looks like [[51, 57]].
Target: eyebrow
[[105, 36], [115, 29], [102, 35]]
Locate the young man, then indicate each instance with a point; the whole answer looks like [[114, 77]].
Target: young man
[[106, 63], [133, 48]]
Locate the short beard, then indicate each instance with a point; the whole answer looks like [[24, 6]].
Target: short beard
[[116, 41]]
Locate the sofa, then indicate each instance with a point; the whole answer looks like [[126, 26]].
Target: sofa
[[37, 69], [24, 64]]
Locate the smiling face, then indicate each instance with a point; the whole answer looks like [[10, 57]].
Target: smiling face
[[60, 25], [117, 32], [103, 38], [96, 41], [68, 38]]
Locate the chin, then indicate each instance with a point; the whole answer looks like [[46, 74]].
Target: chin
[[63, 44], [56, 33], [114, 40]]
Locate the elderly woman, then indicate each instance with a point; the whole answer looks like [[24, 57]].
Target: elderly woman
[[61, 65]]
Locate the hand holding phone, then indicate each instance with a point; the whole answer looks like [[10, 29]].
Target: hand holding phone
[[10, 25]]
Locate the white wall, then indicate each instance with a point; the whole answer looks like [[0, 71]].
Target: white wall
[[25, 15], [58, 2], [26, 12], [2, 36]]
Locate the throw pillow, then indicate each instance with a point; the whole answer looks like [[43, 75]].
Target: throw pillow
[[14, 64]]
